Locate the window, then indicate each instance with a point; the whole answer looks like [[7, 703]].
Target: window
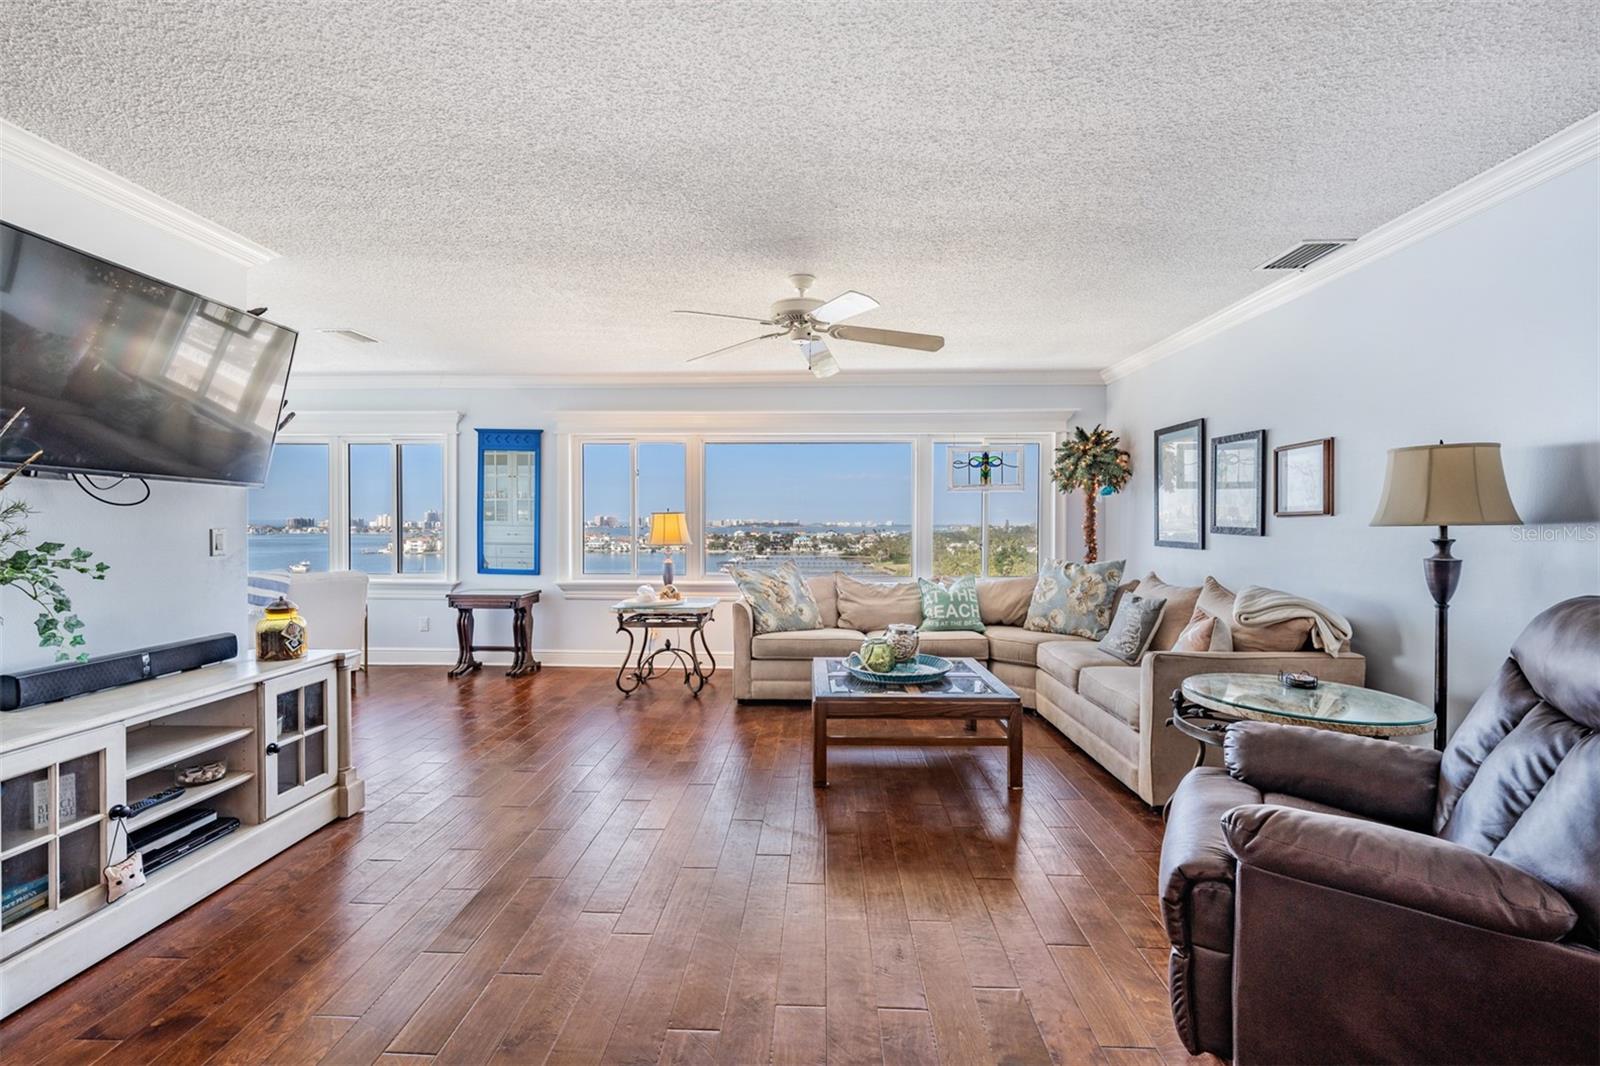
[[389, 498], [624, 482], [822, 505], [983, 529], [372, 493], [288, 516], [876, 506], [396, 507]]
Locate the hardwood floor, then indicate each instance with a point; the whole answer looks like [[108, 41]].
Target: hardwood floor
[[547, 872]]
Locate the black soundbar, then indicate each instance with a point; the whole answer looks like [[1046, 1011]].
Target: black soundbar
[[51, 683]]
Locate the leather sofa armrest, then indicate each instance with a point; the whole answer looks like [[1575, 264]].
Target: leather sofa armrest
[[1412, 870], [1197, 903], [1195, 853], [1394, 783]]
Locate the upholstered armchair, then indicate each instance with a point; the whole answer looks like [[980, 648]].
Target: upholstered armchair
[[1335, 899]]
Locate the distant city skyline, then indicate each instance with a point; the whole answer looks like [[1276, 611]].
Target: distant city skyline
[[841, 485], [860, 483], [297, 484]]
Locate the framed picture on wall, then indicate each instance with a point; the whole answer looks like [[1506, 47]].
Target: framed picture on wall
[[1181, 485], [1302, 481], [1239, 484]]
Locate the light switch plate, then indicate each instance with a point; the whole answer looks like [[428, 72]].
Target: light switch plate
[[219, 542]]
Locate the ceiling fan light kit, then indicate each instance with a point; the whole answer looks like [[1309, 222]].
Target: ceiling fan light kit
[[807, 321]]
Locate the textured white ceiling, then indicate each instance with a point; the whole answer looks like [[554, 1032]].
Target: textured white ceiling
[[512, 187]]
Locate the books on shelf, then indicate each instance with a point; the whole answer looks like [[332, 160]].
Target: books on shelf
[[22, 899]]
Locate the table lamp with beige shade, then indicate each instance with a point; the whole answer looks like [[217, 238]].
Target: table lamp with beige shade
[[1444, 485], [668, 530]]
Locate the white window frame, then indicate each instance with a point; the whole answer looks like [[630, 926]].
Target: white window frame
[[691, 563], [569, 457], [340, 429], [951, 442]]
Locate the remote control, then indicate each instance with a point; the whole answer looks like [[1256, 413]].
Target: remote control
[[151, 801]]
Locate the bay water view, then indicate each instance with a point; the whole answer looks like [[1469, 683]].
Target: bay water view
[[283, 551]]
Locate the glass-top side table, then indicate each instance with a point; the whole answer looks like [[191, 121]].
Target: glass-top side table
[[1206, 704], [640, 661]]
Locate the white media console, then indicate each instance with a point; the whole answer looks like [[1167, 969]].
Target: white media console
[[283, 729]]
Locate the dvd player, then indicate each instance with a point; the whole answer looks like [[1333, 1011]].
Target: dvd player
[[170, 829], [163, 856]]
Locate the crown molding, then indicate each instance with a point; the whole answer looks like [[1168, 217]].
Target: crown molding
[[897, 379], [55, 163], [1573, 146], [770, 424], [313, 422]]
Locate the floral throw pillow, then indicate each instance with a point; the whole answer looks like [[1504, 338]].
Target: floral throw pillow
[[952, 606], [780, 600], [1074, 599]]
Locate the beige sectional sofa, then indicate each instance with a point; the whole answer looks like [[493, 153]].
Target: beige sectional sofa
[[1115, 712]]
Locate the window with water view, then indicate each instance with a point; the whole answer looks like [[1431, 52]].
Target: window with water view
[[824, 506], [395, 500], [623, 484]]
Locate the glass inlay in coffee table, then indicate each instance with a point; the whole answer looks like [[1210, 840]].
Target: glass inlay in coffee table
[[966, 694]]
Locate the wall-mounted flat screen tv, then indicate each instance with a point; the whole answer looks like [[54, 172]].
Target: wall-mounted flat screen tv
[[118, 373]]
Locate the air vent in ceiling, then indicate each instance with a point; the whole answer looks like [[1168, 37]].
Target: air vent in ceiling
[[1304, 254], [351, 335]]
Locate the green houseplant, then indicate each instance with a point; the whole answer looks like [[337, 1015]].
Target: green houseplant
[[1091, 463], [36, 571]]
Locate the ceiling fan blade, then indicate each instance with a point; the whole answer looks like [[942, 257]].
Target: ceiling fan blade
[[719, 314], [922, 342], [731, 347], [843, 306], [819, 360]]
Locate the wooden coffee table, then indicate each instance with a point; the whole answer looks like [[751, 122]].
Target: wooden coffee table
[[967, 693]]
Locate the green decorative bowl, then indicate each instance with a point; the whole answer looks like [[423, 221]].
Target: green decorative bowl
[[918, 671]]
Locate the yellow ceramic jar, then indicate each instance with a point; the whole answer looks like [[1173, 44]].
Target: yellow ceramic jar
[[281, 633]]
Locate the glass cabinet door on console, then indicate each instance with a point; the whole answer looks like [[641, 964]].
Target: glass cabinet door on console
[[508, 501], [53, 832], [300, 734]]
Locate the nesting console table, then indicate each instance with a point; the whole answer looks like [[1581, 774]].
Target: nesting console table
[[281, 729]]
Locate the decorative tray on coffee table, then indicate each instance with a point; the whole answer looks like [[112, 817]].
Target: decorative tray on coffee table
[[918, 671]]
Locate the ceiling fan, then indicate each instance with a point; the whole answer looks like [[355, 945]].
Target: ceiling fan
[[808, 322]]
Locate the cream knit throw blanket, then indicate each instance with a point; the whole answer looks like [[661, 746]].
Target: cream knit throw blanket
[[1257, 606]]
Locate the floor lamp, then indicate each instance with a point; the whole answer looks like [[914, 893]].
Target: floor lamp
[[1444, 485]]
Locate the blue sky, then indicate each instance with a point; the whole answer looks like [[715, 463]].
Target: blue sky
[[838, 482], [297, 485], [844, 482]]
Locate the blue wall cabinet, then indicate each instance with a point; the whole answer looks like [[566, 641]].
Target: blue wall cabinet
[[508, 501]]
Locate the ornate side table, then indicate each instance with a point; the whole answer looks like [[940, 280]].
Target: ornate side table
[[639, 667], [520, 604]]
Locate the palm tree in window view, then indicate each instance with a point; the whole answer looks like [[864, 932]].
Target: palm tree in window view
[[1091, 463], [35, 571]]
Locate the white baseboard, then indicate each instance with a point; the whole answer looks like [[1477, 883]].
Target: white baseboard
[[606, 657]]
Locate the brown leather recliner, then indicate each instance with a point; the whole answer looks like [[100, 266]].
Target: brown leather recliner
[[1335, 899]]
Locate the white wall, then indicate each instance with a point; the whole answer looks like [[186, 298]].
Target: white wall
[[163, 584], [1487, 331], [581, 631]]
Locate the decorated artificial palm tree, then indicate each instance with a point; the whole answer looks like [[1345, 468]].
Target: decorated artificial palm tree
[[1091, 463]]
